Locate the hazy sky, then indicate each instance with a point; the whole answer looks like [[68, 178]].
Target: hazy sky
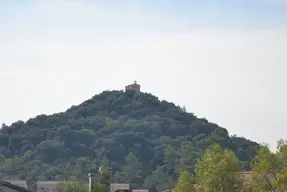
[[224, 60]]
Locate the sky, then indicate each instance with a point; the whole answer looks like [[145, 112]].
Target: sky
[[223, 60]]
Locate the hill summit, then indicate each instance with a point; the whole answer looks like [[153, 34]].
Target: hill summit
[[141, 139]]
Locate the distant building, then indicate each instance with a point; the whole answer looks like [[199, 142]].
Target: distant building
[[116, 186], [48, 186], [136, 87], [20, 183], [9, 187]]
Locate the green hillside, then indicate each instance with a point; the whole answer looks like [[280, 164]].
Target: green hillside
[[142, 139]]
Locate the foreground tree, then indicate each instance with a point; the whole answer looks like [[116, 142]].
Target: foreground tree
[[75, 186], [185, 183], [269, 170], [102, 180], [217, 171]]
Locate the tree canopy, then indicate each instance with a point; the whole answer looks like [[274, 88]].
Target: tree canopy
[[270, 169], [141, 139], [217, 171], [185, 183]]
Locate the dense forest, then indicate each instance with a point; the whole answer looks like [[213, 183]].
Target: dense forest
[[142, 140]]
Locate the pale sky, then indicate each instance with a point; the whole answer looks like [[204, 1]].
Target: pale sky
[[224, 60]]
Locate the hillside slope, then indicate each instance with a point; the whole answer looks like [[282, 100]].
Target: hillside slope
[[142, 139]]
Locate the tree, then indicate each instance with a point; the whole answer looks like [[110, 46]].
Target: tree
[[185, 183], [188, 157], [98, 188], [105, 178], [170, 158], [132, 171], [217, 171], [3, 125], [72, 187], [269, 170], [162, 179]]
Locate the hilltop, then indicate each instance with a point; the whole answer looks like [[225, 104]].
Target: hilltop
[[142, 139]]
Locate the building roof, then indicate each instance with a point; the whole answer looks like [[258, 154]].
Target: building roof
[[16, 181], [134, 84], [8, 185], [21, 183]]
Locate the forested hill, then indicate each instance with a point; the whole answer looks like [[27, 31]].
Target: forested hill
[[142, 139]]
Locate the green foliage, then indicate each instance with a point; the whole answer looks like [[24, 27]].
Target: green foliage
[[72, 187], [217, 171], [77, 186], [141, 139], [269, 170], [185, 183], [98, 188], [104, 180]]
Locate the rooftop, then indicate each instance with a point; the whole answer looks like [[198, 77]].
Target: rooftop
[[6, 185]]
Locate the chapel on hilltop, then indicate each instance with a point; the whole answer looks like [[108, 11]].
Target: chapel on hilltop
[[135, 87]]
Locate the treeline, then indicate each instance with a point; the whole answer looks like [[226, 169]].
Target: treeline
[[143, 140], [219, 171]]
